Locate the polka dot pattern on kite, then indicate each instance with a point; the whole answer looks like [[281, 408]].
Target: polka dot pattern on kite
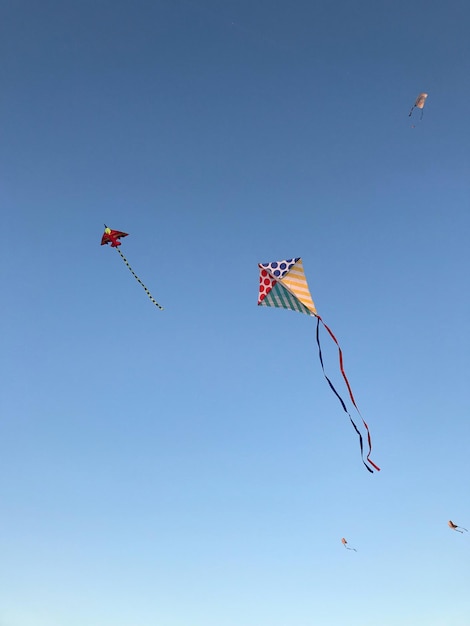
[[280, 268], [266, 283]]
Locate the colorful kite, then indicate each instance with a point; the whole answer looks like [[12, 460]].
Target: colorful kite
[[112, 237], [345, 544], [459, 529], [283, 284], [419, 104]]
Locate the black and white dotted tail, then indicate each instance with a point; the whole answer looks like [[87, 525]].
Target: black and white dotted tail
[[139, 281]]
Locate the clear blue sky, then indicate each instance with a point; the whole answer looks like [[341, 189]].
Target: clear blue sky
[[191, 467]]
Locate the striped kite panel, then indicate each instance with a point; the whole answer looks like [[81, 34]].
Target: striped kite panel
[[296, 282], [281, 298]]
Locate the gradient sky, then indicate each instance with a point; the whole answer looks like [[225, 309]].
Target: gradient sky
[[191, 467]]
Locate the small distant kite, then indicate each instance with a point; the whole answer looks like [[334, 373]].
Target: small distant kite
[[112, 237], [419, 104], [459, 529], [283, 284], [345, 544]]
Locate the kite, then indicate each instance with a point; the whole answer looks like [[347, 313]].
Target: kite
[[113, 237], [459, 529], [283, 284], [419, 104], [345, 544]]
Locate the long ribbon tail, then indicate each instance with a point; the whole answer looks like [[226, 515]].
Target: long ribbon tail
[[340, 353], [412, 108], [138, 280], [463, 529], [339, 397]]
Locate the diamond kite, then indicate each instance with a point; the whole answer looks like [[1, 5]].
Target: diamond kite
[[283, 284], [113, 237]]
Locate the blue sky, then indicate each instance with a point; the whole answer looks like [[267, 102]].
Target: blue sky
[[191, 467]]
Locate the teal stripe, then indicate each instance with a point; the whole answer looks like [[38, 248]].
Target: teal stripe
[[293, 304], [281, 298]]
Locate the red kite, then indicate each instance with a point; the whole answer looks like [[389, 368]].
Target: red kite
[[112, 237]]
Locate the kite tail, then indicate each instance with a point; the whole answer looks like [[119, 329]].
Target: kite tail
[[139, 281], [409, 114], [369, 441]]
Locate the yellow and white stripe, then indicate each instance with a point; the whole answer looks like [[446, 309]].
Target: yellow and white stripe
[[296, 283]]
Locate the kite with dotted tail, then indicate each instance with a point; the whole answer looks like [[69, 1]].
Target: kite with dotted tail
[[112, 237], [283, 284]]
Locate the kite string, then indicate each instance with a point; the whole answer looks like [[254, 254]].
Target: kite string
[[139, 281], [341, 366]]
